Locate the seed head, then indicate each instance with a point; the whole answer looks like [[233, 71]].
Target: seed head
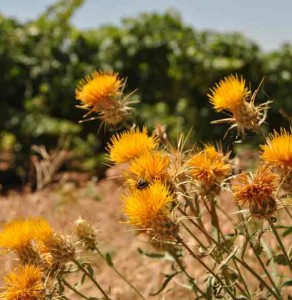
[[85, 233]]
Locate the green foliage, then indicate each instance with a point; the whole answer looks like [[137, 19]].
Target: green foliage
[[172, 65]]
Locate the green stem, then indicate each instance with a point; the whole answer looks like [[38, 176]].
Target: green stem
[[258, 277], [183, 269], [280, 243], [180, 240], [201, 228], [193, 235], [120, 274], [243, 263], [263, 266], [259, 259], [247, 292], [68, 285], [76, 262]]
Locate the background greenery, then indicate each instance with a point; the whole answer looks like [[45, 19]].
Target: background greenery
[[172, 65]]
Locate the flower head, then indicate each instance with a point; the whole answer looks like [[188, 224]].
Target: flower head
[[24, 284], [85, 233], [209, 166], [229, 94], [130, 144], [149, 210], [97, 89], [16, 235], [102, 93], [60, 248], [278, 150], [148, 167], [257, 192], [42, 229]]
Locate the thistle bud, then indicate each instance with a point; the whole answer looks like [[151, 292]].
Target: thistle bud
[[85, 233]]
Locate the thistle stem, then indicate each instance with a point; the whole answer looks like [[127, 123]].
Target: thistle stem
[[193, 235], [263, 265], [120, 274], [180, 240], [68, 285], [243, 263], [77, 263], [280, 243], [183, 269], [247, 292]]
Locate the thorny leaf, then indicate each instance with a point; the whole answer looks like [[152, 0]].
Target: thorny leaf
[[287, 283], [165, 283], [89, 268], [287, 231], [280, 259], [109, 260], [155, 255], [83, 279]]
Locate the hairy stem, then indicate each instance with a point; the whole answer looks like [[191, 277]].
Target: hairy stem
[[80, 267], [280, 243], [183, 269], [180, 240], [68, 285], [120, 274]]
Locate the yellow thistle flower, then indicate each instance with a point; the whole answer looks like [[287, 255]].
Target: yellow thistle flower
[[130, 144], [42, 229], [19, 233], [148, 167], [16, 235], [209, 166], [102, 93], [229, 94], [278, 150], [232, 96], [257, 192], [144, 208], [24, 284], [96, 90]]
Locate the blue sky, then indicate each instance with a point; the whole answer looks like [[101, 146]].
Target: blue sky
[[265, 21]]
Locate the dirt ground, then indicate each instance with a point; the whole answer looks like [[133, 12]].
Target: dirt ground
[[99, 203]]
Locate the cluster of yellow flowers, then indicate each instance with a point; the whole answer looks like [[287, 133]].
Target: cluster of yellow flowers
[[154, 181], [164, 184], [43, 255]]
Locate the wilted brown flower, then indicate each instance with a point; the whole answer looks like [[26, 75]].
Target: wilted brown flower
[[257, 192]]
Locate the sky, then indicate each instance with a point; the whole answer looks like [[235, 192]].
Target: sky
[[267, 22]]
